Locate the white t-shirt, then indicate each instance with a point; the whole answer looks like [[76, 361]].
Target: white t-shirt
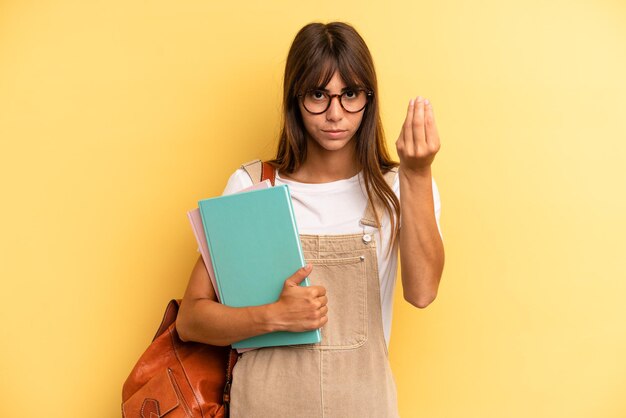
[[336, 208]]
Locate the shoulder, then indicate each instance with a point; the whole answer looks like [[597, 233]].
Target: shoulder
[[238, 181]]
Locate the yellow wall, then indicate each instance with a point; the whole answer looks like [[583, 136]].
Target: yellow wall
[[117, 116]]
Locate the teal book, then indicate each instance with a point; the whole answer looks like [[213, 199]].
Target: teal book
[[254, 245]]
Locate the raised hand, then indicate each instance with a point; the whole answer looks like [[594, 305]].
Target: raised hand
[[419, 140]]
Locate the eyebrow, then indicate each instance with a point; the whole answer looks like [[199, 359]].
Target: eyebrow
[[328, 91]]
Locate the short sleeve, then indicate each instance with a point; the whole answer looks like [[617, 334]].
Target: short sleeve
[[238, 181]]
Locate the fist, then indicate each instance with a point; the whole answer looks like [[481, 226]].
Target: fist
[[301, 308]]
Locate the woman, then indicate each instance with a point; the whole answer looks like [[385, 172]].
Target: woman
[[345, 191]]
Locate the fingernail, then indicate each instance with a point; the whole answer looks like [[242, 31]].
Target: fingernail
[[411, 102], [426, 102], [419, 98]]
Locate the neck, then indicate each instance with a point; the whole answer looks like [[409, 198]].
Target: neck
[[323, 166]]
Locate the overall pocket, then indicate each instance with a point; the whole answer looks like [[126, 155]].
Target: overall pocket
[[346, 288]]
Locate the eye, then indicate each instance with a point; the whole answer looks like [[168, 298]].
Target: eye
[[350, 94], [317, 95]]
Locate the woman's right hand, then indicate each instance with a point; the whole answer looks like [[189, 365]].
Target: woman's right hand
[[300, 308], [201, 318]]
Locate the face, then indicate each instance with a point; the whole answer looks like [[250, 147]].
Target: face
[[334, 129]]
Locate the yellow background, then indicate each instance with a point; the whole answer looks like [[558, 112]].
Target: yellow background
[[117, 116]]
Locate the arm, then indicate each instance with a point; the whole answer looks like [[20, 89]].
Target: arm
[[421, 248], [201, 318]]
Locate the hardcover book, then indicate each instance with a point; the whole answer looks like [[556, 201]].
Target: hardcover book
[[254, 247]]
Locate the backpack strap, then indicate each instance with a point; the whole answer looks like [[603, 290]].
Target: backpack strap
[[169, 317], [260, 171], [369, 218]]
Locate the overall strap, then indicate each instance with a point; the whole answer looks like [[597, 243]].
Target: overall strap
[[369, 218], [259, 171]]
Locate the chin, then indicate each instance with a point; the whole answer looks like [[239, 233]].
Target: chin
[[332, 144]]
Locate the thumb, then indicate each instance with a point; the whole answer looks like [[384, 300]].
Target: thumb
[[299, 276]]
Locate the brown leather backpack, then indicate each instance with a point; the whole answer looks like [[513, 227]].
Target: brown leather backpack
[[180, 379], [183, 379]]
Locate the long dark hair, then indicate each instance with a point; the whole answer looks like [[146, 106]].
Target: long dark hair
[[317, 52]]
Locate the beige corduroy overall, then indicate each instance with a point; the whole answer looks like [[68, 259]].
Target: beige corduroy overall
[[347, 374]]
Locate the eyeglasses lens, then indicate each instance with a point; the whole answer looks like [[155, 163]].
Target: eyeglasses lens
[[319, 101]]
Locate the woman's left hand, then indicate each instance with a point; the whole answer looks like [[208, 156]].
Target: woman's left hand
[[418, 141], [421, 248]]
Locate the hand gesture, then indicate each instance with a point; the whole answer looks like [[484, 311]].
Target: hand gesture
[[301, 308], [418, 141]]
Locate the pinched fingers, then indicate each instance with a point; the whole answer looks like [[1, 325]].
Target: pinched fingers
[[419, 140], [413, 137], [419, 133], [432, 135], [404, 144]]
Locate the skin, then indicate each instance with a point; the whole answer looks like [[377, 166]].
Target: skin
[[330, 157], [421, 248]]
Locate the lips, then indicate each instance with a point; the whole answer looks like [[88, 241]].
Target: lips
[[334, 133]]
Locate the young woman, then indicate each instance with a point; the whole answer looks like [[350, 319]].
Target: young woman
[[354, 207]]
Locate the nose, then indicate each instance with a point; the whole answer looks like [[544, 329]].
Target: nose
[[334, 111]]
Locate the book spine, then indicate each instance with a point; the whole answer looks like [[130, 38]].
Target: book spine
[[295, 228], [215, 266]]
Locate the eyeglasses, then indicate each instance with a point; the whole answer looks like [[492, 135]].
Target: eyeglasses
[[317, 102]]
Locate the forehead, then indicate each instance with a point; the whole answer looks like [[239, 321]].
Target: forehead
[[335, 83], [331, 74]]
